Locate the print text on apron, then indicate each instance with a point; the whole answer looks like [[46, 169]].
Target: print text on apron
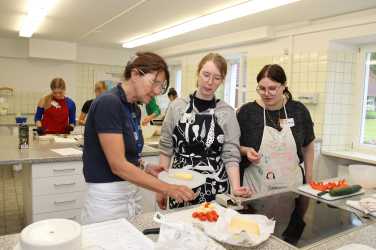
[[279, 165], [198, 142]]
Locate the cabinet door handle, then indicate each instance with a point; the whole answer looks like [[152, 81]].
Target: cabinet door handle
[[61, 203], [64, 184], [63, 170]]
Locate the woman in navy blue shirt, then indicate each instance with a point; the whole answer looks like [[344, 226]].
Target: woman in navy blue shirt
[[113, 145]]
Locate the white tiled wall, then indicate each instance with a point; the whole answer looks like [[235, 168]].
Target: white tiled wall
[[87, 76], [339, 98], [25, 101], [330, 74]]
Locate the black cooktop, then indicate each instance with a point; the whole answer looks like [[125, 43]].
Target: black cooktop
[[301, 220]]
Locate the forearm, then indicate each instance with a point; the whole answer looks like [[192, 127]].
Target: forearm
[[244, 150], [38, 124], [308, 155], [81, 119], [233, 175], [130, 172], [164, 161]]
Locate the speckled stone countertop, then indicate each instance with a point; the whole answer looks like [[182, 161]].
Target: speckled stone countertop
[[364, 235], [40, 151]]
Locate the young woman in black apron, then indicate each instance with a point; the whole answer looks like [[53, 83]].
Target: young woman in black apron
[[201, 134]]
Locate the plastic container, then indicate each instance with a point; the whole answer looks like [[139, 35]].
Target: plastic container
[[364, 175], [21, 119]]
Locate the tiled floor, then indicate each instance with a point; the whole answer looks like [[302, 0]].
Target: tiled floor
[[11, 203]]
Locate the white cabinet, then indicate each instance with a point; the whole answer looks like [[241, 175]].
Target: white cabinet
[[53, 190], [57, 190], [148, 197]]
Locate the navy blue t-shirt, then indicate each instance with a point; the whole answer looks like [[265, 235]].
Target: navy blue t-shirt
[[108, 115]]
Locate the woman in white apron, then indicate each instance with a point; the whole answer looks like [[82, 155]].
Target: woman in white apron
[[113, 145], [276, 136], [201, 133]]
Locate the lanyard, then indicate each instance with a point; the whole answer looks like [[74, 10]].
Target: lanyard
[[131, 115]]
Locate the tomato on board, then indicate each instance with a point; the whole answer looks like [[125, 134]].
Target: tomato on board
[[321, 186]]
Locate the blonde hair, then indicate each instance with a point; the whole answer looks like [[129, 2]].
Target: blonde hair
[[100, 84], [56, 83]]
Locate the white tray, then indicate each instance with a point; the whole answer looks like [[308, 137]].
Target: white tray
[[196, 181]]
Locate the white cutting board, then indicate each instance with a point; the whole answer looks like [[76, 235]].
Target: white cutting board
[[307, 189]]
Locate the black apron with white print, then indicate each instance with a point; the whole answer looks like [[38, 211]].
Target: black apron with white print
[[198, 143]]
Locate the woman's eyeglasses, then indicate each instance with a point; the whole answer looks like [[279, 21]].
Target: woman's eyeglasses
[[272, 90], [206, 76], [163, 85]]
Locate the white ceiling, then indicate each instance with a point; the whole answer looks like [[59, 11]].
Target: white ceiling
[[107, 23]]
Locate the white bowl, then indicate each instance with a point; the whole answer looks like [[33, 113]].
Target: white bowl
[[364, 175], [51, 234]]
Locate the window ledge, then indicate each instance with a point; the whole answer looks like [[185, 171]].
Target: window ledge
[[352, 155]]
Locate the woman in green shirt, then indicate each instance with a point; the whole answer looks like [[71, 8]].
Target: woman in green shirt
[[153, 110]]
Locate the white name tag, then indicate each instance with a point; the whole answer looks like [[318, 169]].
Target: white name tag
[[287, 122]]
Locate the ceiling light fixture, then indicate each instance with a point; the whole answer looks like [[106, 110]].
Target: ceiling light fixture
[[37, 10], [228, 14]]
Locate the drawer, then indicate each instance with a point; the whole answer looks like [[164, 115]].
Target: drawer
[[57, 202], [73, 214], [58, 185], [56, 169]]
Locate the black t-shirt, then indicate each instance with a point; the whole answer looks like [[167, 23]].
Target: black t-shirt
[[202, 105], [86, 106], [251, 121], [108, 115]]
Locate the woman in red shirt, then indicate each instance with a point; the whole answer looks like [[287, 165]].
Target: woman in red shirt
[[56, 113]]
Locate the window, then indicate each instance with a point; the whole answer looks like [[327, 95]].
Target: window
[[236, 85], [368, 127], [178, 78]]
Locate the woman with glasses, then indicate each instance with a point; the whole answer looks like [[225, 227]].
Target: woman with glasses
[[113, 145], [276, 135], [200, 133], [56, 113], [99, 88]]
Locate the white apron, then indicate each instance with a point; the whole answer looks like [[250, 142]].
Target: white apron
[[108, 201], [279, 164]]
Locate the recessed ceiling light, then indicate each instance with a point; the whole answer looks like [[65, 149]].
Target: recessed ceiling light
[[37, 10], [228, 14]]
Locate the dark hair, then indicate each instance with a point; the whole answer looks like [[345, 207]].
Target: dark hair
[[147, 62], [172, 92], [276, 73], [57, 83], [218, 60]]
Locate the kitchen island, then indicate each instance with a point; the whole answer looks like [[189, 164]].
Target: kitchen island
[[364, 235], [53, 184]]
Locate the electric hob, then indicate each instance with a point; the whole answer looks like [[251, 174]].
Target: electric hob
[[301, 220]]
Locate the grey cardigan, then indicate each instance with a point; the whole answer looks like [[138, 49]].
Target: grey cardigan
[[226, 118]]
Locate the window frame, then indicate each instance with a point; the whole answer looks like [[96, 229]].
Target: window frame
[[360, 101]]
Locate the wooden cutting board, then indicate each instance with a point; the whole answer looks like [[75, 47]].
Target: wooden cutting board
[[307, 189]]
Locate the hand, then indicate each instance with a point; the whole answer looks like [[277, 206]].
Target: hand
[[68, 129], [244, 192], [180, 193], [146, 120], [161, 201], [40, 131], [253, 156], [154, 169]]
